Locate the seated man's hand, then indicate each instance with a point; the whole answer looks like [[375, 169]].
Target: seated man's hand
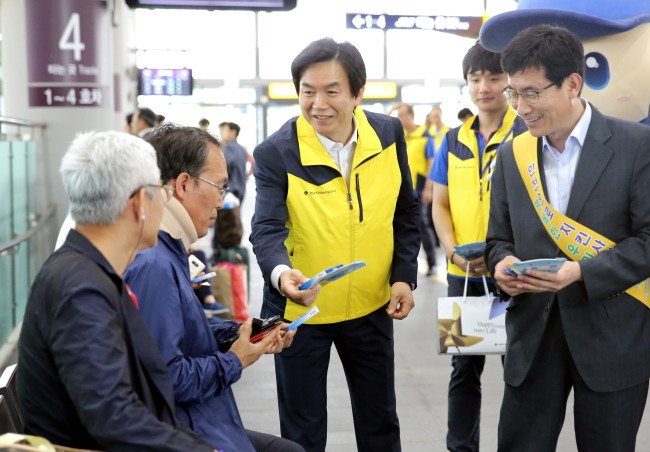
[[284, 339], [289, 282], [246, 351], [197, 285]]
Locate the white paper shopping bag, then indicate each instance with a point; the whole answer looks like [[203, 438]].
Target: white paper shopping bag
[[471, 325]]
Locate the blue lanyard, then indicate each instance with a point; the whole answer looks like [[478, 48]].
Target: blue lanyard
[[487, 165]]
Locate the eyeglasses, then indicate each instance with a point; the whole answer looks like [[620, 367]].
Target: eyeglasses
[[167, 189], [531, 96], [222, 190]]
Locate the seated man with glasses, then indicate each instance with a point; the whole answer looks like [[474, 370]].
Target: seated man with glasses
[[191, 161], [223, 191]]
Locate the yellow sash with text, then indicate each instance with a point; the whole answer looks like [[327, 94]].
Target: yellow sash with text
[[575, 240]]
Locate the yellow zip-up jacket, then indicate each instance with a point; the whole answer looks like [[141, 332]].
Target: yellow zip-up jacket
[[416, 144], [307, 218], [469, 196]]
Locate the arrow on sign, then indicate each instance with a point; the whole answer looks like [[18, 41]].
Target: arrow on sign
[[358, 21]]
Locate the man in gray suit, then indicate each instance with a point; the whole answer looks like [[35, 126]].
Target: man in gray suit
[[575, 186]]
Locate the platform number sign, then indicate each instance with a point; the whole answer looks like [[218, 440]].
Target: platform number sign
[[68, 52], [71, 37]]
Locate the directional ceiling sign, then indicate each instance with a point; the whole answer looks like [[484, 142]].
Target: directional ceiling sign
[[467, 26]]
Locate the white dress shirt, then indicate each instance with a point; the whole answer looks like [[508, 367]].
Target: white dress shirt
[[560, 167]]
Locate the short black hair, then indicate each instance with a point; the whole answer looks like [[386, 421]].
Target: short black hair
[[554, 50], [148, 116], [204, 122], [180, 149], [235, 127], [327, 49], [231, 126], [478, 58], [464, 113]]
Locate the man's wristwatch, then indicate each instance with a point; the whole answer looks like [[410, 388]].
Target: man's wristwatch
[[413, 285]]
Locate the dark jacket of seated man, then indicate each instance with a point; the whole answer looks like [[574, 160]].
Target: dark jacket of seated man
[[89, 374]]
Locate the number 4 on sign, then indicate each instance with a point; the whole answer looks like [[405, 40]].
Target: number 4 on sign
[[71, 98], [71, 37]]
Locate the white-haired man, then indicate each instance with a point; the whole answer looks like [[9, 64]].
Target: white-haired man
[[89, 373]]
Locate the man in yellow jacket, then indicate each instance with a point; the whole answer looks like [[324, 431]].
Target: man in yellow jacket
[[333, 187]]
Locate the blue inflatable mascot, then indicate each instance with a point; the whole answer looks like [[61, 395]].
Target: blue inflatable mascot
[[616, 38]]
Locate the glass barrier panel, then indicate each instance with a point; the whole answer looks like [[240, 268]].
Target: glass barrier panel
[[6, 297], [5, 190], [20, 188]]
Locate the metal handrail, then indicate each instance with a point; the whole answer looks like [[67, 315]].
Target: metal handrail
[[21, 122], [32, 231]]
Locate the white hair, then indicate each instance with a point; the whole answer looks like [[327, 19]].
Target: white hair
[[100, 172]]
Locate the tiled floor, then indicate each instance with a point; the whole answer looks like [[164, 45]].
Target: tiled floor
[[421, 376]]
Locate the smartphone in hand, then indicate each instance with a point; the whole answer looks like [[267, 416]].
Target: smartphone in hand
[[260, 328], [196, 266]]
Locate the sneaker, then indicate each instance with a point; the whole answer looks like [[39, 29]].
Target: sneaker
[[215, 308], [431, 271]]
